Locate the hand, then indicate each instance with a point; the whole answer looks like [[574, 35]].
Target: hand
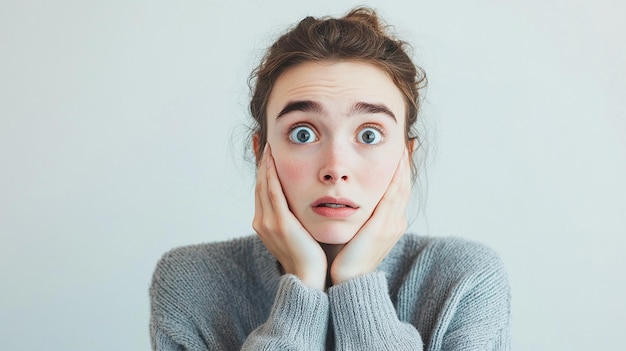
[[281, 232], [364, 252]]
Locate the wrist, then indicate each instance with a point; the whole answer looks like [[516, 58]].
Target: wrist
[[316, 282], [337, 276], [315, 279]]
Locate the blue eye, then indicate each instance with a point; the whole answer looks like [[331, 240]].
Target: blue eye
[[369, 136], [302, 135]]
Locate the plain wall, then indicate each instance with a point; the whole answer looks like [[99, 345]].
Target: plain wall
[[122, 126]]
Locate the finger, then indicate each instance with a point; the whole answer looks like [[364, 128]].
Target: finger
[[397, 194], [263, 207], [275, 192], [263, 181], [400, 187]]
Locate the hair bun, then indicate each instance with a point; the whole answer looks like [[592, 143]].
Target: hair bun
[[366, 16]]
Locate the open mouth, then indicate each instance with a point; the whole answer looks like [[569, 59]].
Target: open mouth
[[331, 205], [334, 203]]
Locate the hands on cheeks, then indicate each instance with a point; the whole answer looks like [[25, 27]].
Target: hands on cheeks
[[281, 232], [300, 254], [380, 233]]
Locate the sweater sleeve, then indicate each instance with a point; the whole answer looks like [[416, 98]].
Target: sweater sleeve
[[478, 311], [363, 314], [298, 319], [189, 312]]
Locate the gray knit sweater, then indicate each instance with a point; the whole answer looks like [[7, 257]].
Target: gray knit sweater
[[428, 294]]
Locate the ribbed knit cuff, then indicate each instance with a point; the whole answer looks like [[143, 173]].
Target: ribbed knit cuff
[[364, 316], [299, 313]]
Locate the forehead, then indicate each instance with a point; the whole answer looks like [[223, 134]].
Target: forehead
[[336, 85]]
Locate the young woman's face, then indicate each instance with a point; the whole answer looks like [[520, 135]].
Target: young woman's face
[[336, 131]]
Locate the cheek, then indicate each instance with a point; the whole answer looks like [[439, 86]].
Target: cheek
[[377, 177], [293, 173]]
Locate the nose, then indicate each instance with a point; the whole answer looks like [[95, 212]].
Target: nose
[[335, 165]]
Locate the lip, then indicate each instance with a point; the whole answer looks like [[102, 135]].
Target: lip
[[339, 212]]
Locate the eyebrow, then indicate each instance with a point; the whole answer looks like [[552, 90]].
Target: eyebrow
[[316, 107], [369, 108], [303, 106]]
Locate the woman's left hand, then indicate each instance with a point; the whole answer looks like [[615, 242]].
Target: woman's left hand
[[370, 245]]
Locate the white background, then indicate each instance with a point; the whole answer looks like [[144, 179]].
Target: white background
[[122, 126]]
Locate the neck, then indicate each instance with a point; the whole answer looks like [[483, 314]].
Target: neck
[[331, 251]]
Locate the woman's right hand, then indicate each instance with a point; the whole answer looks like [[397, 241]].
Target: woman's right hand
[[281, 232]]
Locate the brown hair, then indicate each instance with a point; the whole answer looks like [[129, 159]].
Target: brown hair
[[360, 35]]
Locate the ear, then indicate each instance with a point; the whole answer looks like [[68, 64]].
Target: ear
[[410, 145], [255, 146]]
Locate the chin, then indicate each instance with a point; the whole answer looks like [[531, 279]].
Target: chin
[[336, 234], [332, 241]]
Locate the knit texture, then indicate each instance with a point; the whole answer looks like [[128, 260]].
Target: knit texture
[[427, 294]]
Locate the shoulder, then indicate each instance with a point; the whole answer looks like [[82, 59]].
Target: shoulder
[[195, 267], [208, 251], [451, 253], [192, 255], [448, 263]]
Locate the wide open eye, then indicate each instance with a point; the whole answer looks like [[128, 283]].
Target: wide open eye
[[369, 136], [302, 135]]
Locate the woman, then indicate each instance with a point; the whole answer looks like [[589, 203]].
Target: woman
[[335, 102]]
